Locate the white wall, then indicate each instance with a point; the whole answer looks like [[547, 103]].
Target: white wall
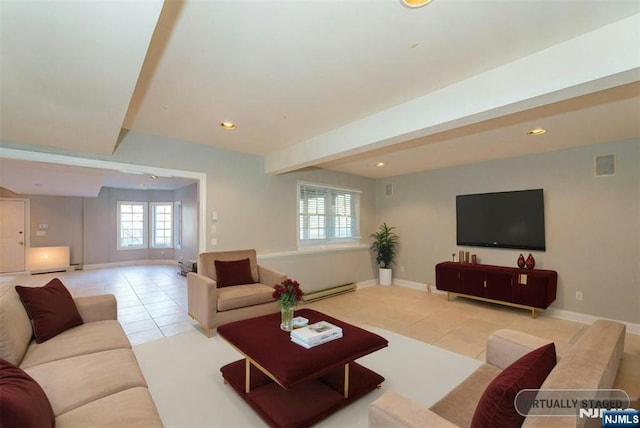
[[592, 223]]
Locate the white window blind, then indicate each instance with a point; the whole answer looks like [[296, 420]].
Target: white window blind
[[327, 215]]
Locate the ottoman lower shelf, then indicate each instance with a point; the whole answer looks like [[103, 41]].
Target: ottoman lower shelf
[[303, 405]]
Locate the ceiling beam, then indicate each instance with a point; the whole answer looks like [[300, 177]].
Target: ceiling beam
[[595, 61]]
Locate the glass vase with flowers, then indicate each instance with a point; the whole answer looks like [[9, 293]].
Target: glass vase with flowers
[[288, 294]]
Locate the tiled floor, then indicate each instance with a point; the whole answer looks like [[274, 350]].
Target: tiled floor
[[152, 303]]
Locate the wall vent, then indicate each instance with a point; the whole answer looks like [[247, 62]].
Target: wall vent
[[604, 165], [388, 189]]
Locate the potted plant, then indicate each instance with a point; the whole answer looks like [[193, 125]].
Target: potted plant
[[384, 245]]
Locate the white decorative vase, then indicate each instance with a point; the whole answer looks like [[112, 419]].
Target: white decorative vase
[[385, 276]]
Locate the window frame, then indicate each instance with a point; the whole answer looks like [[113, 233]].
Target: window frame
[[329, 194], [148, 225], [152, 224], [119, 221]]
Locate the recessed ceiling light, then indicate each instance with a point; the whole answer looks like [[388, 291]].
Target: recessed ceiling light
[[537, 131], [380, 164], [228, 125], [415, 3]]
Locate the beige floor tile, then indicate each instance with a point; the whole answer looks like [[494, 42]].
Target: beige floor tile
[[134, 316], [632, 344], [178, 328], [460, 345], [128, 301], [548, 327], [164, 311], [130, 310], [138, 326], [145, 336], [165, 320]]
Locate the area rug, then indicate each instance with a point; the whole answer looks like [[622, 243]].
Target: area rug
[[183, 374]]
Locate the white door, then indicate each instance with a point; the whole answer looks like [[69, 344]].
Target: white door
[[12, 235]]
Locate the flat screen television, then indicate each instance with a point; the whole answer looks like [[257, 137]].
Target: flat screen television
[[501, 220]]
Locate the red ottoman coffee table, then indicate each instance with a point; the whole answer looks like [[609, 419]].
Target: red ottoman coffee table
[[289, 385]]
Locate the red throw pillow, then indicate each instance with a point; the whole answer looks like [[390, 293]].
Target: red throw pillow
[[234, 272], [51, 309], [496, 407], [23, 403]]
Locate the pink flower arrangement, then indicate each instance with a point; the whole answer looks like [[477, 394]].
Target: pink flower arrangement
[[288, 293]]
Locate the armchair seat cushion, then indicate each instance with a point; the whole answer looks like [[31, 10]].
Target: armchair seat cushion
[[240, 296]]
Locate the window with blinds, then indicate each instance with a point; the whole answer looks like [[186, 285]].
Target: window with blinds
[[327, 215]]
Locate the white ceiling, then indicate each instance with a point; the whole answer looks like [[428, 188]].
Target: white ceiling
[[337, 84]]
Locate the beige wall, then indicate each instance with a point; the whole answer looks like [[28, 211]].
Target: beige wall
[[63, 217], [188, 196], [592, 223]]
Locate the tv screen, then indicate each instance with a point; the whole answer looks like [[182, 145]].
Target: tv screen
[[502, 220]]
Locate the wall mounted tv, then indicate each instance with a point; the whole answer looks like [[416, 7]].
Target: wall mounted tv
[[501, 220]]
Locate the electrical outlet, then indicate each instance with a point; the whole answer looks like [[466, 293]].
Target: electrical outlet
[[578, 295]]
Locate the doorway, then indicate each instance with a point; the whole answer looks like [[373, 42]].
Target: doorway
[[13, 234]]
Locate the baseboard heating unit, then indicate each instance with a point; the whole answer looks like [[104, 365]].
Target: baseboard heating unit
[[329, 292], [48, 259]]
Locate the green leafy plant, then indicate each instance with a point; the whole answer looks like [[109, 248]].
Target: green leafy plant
[[385, 242]]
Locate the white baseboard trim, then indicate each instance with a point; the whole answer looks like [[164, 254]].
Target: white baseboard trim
[[367, 283], [410, 284], [130, 263], [633, 328]]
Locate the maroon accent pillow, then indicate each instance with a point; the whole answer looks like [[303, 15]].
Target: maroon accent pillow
[[234, 272], [50, 308], [496, 406], [23, 403]]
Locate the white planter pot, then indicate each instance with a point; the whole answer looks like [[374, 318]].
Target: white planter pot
[[384, 276]]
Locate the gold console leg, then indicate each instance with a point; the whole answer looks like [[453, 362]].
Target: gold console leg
[[247, 375], [346, 380]]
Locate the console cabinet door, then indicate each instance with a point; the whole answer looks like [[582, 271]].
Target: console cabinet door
[[448, 279], [473, 283], [498, 286], [533, 293]]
